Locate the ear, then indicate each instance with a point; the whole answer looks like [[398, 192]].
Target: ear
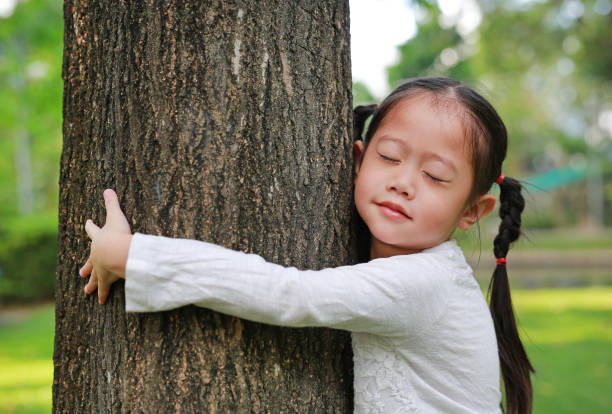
[[358, 149], [477, 211]]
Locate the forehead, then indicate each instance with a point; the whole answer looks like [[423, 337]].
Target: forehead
[[427, 117]]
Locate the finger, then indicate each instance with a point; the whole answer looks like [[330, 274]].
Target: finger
[[86, 269], [91, 229], [114, 215], [103, 291], [92, 285]]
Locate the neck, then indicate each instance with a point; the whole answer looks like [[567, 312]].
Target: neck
[[379, 250]]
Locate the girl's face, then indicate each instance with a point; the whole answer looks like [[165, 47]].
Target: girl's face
[[412, 185]]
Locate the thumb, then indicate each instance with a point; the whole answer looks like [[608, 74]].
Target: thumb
[[91, 229], [114, 216]]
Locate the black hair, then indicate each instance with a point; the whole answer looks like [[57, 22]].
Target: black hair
[[488, 140], [360, 115]]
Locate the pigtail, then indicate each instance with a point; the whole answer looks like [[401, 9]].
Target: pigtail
[[515, 365], [361, 113]]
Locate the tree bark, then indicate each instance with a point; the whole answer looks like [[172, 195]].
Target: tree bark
[[225, 121]]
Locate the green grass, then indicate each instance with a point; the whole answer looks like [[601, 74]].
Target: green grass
[[568, 335], [26, 365], [567, 332]]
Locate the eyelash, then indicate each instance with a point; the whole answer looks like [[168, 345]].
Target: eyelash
[[387, 159], [434, 179]]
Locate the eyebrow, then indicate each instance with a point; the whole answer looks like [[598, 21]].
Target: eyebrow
[[392, 138]]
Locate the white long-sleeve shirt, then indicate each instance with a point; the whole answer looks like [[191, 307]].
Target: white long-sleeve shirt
[[422, 335]]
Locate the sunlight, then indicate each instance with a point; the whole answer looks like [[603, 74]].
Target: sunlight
[[6, 7], [377, 28]]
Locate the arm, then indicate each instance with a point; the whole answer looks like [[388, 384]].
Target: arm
[[386, 296], [166, 273]]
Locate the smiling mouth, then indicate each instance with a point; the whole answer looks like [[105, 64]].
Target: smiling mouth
[[394, 211]]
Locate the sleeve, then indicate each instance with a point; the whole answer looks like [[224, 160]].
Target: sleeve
[[165, 273]]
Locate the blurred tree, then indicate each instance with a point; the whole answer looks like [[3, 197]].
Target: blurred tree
[[361, 94], [424, 54], [546, 66], [30, 108], [30, 145]]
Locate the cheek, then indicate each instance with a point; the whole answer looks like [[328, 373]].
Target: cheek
[[363, 193], [358, 192], [439, 210], [446, 216]]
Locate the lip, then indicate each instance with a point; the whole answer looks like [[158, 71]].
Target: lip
[[393, 211]]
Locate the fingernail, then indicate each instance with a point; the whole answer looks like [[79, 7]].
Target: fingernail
[[85, 289]]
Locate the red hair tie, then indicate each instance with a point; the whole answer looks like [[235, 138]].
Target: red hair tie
[[500, 178], [501, 261]]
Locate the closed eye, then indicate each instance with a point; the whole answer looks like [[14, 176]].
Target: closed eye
[[434, 178], [387, 159]]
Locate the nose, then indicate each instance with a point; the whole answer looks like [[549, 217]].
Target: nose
[[403, 183]]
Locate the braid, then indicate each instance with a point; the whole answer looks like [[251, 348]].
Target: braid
[[360, 114], [512, 204], [515, 365]]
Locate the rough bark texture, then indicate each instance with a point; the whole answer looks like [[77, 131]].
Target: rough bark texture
[[225, 121]]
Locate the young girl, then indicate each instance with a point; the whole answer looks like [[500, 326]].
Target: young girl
[[423, 338]]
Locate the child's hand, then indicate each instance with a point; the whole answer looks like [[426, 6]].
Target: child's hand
[[109, 249]]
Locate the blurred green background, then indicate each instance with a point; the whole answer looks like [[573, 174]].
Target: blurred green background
[[545, 65]]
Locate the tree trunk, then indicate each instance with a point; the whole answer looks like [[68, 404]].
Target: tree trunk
[[225, 121]]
